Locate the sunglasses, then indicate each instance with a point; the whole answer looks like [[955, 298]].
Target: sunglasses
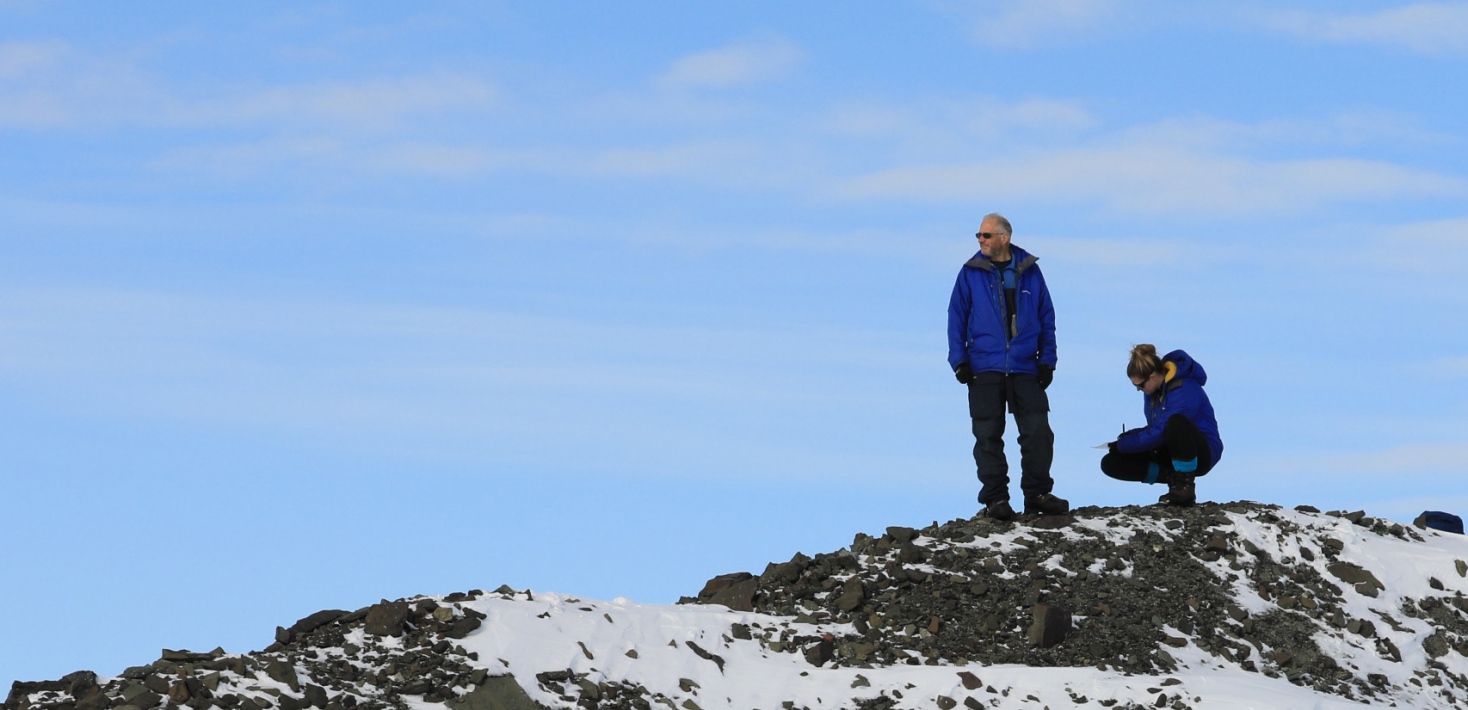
[[1140, 385], [988, 235]]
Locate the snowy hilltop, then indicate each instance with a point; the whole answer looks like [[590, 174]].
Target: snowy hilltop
[[1218, 606]]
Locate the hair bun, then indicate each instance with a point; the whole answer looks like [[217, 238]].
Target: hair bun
[[1144, 360]]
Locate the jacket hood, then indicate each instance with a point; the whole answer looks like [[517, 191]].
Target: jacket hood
[[1187, 367], [1022, 259]]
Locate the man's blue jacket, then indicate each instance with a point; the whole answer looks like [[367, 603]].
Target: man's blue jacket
[[1181, 393], [977, 333]]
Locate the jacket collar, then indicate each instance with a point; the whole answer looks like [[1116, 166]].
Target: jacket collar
[[1022, 260]]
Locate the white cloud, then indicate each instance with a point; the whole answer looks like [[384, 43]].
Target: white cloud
[[238, 160], [1437, 234], [1432, 247], [19, 58], [737, 64], [439, 159], [1447, 367], [31, 109], [958, 121], [987, 148], [50, 84], [1025, 23], [344, 159], [1127, 253], [426, 380], [1430, 28], [1408, 458], [689, 159], [370, 104], [1156, 178], [1347, 128]]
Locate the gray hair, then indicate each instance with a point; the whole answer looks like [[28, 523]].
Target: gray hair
[[1003, 223]]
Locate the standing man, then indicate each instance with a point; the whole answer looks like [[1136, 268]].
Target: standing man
[[1001, 344]]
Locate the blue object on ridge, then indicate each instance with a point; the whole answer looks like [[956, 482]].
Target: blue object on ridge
[[1438, 520]]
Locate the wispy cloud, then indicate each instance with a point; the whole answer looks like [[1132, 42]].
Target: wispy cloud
[[46, 85], [1429, 28], [423, 379], [1346, 129], [18, 58], [1027, 23], [1447, 367], [959, 121], [1157, 179], [1408, 458], [331, 156], [663, 161], [1437, 234], [738, 64], [1125, 253], [249, 158], [51, 84], [1431, 247], [371, 104]]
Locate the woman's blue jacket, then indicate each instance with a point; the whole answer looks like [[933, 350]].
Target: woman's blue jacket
[[1182, 393], [976, 329]]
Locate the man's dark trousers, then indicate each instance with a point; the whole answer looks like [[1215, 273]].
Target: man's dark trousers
[[988, 395]]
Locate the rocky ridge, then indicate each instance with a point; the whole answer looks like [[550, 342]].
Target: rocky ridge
[[1117, 588], [1129, 591]]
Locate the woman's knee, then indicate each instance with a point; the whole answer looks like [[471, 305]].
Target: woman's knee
[[1179, 425], [1183, 441], [1120, 466]]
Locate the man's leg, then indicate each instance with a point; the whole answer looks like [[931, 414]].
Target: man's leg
[[986, 408], [1031, 409]]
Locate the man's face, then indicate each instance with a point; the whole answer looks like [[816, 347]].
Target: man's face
[[998, 243]]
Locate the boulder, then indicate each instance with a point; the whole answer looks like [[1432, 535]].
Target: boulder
[[735, 591], [463, 627], [313, 622], [1354, 574], [820, 653], [785, 572], [283, 672], [387, 618], [1050, 627], [853, 593]]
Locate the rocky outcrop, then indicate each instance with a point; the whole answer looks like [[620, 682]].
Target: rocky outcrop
[[1113, 588], [1253, 586], [312, 664]]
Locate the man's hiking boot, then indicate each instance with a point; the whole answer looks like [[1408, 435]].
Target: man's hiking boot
[[1046, 504], [1180, 492], [998, 511]]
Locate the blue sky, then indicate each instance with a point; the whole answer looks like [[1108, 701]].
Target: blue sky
[[303, 306]]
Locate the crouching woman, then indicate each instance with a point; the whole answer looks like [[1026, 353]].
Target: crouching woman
[[1180, 441]]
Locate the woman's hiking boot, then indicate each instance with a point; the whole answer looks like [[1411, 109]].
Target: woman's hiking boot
[[1046, 504], [1180, 492], [998, 510]]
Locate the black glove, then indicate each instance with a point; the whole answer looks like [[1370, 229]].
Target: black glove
[[964, 372], [1047, 373]]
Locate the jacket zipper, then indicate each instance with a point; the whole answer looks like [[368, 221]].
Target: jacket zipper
[[1005, 321]]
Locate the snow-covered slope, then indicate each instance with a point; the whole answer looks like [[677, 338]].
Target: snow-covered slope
[[1232, 606]]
